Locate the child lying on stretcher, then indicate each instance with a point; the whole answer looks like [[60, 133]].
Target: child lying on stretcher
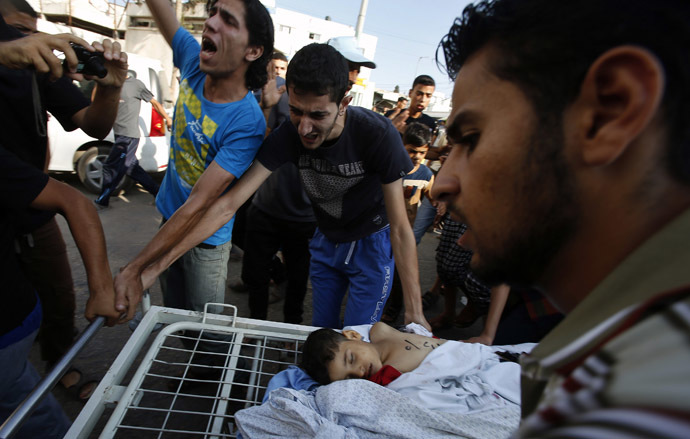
[[331, 356]]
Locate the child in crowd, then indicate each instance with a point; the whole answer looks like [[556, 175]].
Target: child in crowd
[[416, 183], [419, 180], [329, 355]]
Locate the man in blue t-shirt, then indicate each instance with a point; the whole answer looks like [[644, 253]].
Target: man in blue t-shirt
[[351, 163], [217, 130]]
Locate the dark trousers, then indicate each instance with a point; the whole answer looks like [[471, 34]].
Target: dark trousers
[[43, 257], [264, 236], [123, 160]]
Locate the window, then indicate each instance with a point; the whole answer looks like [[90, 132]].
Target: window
[[285, 29], [315, 37], [139, 22]]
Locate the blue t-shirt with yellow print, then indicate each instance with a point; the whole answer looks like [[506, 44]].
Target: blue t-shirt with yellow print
[[229, 134]]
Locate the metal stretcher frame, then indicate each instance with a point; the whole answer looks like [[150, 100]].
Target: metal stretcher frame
[[166, 398]]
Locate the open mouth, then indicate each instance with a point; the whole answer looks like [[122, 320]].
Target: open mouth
[[208, 46]]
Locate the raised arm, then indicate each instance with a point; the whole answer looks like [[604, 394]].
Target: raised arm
[[87, 231], [164, 15], [405, 252], [184, 230]]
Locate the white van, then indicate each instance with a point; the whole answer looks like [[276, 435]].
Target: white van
[[77, 152]]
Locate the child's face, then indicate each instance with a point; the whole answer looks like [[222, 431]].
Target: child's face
[[417, 153], [354, 359]]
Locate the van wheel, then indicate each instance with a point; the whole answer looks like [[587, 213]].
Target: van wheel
[[90, 170]]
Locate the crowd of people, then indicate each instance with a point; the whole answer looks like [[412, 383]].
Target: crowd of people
[[560, 185]]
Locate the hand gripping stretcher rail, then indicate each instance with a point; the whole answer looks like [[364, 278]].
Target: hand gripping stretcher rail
[[198, 371]]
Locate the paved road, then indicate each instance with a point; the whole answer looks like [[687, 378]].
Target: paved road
[[129, 224]]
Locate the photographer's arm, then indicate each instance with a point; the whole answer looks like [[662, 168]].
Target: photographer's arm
[[97, 119], [36, 51]]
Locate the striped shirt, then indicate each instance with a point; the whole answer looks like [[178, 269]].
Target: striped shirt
[[619, 364]]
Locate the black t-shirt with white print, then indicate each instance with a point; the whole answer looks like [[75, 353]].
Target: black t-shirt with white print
[[343, 180]]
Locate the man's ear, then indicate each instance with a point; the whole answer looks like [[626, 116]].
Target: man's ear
[[253, 53], [351, 334], [619, 97], [344, 103]]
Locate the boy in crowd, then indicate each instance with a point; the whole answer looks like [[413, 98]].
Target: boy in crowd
[[417, 182], [423, 88]]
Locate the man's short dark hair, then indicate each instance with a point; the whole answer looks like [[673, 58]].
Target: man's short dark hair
[[424, 80], [23, 6], [320, 69], [402, 98], [279, 56], [318, 351], [417, 134], [260, 27], [546, 47]]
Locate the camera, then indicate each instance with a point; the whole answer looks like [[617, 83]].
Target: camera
[[89, 63]]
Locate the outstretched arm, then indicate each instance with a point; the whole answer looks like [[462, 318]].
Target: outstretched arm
[[180, 233], [405, 252], [88, 235], [164, 15]]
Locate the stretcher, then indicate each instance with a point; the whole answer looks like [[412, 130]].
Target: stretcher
[[198, 371]]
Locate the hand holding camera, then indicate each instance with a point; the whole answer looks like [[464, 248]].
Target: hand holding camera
[[36, 52], [90, 63]]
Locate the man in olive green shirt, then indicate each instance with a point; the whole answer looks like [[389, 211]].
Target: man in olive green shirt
[[570, 164]]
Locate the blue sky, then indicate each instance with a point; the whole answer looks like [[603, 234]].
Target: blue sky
[[408, 33]]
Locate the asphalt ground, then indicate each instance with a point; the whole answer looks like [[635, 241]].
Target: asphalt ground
[[129, 224]]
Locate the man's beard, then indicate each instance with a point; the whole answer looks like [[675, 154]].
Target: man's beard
[[546, 216]]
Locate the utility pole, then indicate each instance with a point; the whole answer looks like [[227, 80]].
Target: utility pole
[[178, 10], [173, 81], [360, 18]]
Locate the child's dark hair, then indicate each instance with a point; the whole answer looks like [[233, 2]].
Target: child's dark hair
[[417, 134], [318, 351]]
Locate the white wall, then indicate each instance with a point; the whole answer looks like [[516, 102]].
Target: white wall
[[100, 12]]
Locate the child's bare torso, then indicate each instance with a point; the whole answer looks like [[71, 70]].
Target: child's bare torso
[[403, 351]]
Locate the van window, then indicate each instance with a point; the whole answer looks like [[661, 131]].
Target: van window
[[155, 85], [165, 87]]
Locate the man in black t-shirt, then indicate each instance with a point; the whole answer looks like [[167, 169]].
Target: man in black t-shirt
[[25, 96], [422, 89], [23, 185], [351, 162]]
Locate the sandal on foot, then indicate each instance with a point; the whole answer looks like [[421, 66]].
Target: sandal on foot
[[86, 390]]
